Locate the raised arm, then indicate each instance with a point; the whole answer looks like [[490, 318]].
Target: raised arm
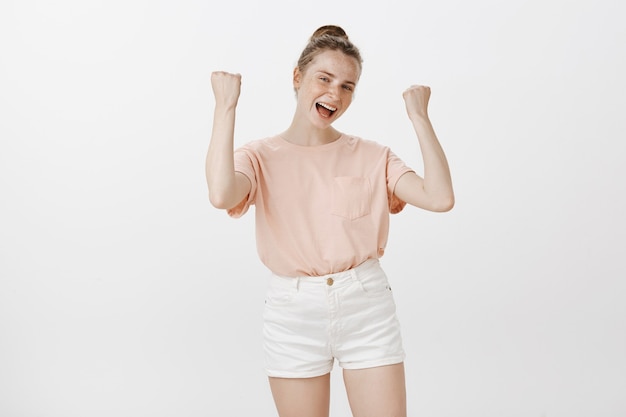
[[226, 187], [433, 192]]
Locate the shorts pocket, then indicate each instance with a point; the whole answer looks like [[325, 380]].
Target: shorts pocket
[[351, 197], [279, 292], [375, 285], [376, 291]]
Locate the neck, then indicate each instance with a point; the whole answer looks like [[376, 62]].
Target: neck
[[310, 137]]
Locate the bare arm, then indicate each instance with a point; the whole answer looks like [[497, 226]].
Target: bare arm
[[434, 192], [226, 187]]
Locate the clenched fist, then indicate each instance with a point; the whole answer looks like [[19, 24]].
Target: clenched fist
[[226, 88], [416, 99]]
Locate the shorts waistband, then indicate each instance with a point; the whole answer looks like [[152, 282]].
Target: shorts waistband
[[337, 278]]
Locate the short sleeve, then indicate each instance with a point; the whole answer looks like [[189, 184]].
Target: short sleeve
[[395, 169], [245, 163]]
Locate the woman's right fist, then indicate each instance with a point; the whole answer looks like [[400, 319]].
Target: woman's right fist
[[226, 88]]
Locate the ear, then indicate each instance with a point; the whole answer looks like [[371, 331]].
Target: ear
[[297, 78]]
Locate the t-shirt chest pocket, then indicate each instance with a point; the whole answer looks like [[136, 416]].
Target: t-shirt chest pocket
[[351, 197]]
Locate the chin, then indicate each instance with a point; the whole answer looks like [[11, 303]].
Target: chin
[[324, 123]]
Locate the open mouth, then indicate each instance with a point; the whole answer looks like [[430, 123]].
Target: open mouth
[[325, 110]]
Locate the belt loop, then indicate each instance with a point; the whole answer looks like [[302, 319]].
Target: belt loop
[[354, 275], [296, 283]]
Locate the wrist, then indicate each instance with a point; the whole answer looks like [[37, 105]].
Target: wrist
[[225, 108], [419, 119]]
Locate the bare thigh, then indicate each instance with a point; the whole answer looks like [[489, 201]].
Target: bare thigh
[[376, 392], [301, 397]]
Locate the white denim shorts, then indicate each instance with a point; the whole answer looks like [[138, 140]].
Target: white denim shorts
[[311, 321]]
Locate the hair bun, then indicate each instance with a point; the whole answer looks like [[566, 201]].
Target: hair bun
[[330, 30], [328, 38]]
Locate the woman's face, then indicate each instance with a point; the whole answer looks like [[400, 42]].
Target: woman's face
[[326, 88]]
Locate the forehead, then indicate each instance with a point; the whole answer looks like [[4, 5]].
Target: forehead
[[337, 63]]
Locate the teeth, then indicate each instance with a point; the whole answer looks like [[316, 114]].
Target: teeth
[[329, 107]]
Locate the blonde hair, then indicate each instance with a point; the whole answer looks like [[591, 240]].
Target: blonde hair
[[325, 38]]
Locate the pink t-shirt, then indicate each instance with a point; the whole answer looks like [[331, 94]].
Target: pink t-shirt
[[319, 209]]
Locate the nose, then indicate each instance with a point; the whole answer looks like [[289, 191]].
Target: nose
[[334, 90]]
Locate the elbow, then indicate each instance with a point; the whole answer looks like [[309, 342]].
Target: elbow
[[219, 201], [443, 205]]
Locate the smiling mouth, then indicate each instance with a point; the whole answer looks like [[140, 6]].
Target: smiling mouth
[[326, 110]]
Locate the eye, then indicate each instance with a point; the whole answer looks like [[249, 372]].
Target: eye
[[348, 88], [325, 79]]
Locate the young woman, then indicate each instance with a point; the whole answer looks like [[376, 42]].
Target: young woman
[[322, 203]]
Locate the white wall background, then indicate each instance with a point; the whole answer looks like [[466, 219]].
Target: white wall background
[[123, 292]]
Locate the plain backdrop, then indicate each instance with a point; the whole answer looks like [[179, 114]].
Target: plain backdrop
[[123, 292]]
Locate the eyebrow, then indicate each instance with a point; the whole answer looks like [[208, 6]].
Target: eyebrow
[[333, 76]]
